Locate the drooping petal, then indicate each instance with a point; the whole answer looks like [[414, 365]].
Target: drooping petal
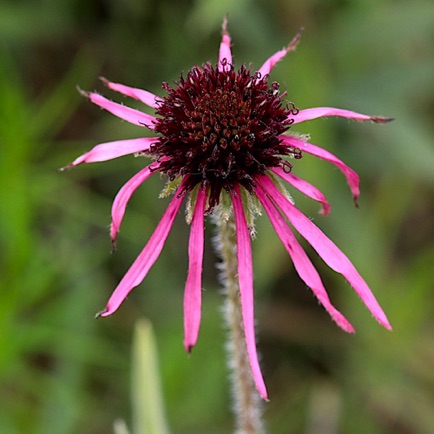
[[319, 112], [126, 113], [111, 150], [193, 287], [269, 64], [328, 251], [124, 195], [142, 95], [146, 258], [310, 148], [245, 276], [225, 54], [302, 263], [305, 187]]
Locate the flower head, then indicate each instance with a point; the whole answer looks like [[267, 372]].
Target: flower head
[[221, 135]]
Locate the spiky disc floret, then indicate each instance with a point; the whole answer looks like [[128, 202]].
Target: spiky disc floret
[[220, 128]]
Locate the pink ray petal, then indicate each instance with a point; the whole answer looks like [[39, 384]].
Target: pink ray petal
[[124, 195], [328, 251], [245, 276], [225, 54], [146, 258], [319, 112], [305, 187], [142, 95], [310, 148], [269, 64], [302, 263], [110, 150], [193, 287], [126, 113]]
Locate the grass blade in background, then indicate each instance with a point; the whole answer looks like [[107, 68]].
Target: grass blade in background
[[147, 402]]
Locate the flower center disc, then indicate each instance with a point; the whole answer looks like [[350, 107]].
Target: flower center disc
[[221, 128]]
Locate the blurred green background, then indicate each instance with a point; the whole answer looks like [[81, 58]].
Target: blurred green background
[[61, 371]]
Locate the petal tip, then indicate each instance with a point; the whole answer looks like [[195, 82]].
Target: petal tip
[[101, 313], [264, 395], [113, 235], [294, 41], [188, 347], [348, 328], [82, 92], [325, 210], [385, 323], [106, 312], [341, 321], [104, 80], [67, 167], [225, 25], [381, 119]]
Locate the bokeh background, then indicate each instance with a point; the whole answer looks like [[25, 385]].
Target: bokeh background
[[61, 371]]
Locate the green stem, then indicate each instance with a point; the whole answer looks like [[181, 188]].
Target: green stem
[[247, 402]]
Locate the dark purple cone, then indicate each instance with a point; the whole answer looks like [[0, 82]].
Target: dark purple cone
[[221, 128]]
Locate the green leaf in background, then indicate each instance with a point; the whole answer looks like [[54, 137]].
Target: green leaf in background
[[147, 402]]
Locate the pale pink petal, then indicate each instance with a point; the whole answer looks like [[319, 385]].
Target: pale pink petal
[[319, 112], [144, 96], [193, 287], [225, 54], [302, 264], [309, 148], [124, 195], [110, 150], [308, 189], [146, 258], [245, 276], [269, 64], [328, 251], [126, 113]]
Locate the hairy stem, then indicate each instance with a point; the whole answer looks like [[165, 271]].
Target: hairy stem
[[247, 402]]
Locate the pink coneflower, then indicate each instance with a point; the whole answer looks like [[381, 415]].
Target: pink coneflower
[[221, 138]]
